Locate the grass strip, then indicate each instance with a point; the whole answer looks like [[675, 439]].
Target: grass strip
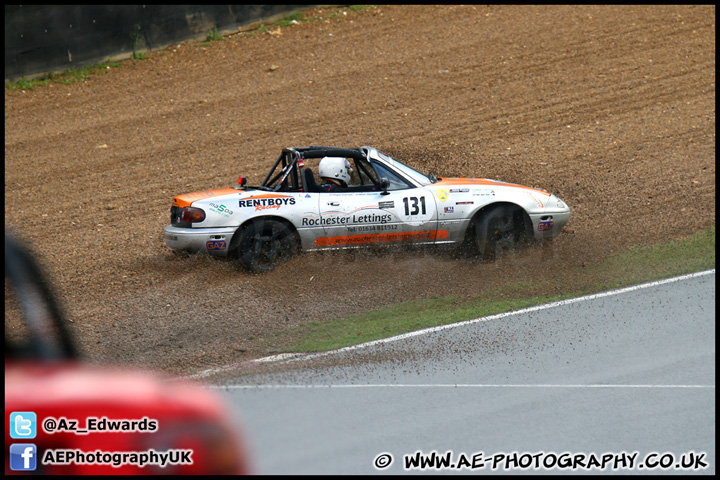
[[634, 266]]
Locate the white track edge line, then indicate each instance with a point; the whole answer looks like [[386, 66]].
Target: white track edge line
[[291, 357], [450, 385]]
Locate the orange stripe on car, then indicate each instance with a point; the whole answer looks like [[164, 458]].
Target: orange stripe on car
[[267, 195], [186, 199], [381, 237]]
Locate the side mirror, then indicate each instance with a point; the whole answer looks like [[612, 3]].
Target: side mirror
[[242, 181], [384, 185]]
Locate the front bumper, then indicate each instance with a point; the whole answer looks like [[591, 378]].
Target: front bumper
[[549, 224], [214, 241]]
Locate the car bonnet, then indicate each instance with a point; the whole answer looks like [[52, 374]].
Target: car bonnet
[[446, 182]]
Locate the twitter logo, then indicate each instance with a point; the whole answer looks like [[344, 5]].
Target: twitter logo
[[23, 425]]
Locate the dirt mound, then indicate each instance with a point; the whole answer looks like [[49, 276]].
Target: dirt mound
[[610, 107]]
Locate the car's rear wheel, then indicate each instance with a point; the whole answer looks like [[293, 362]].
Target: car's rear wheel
[[265, 244], [499, 231]]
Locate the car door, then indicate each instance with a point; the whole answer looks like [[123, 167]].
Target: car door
[[402, 214]]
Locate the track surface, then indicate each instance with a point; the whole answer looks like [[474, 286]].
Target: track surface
[[633, 371], [610, 107]]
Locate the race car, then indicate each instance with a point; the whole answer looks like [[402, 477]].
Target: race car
[[362, 197]]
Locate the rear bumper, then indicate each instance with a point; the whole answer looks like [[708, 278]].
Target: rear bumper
[[214, 241]]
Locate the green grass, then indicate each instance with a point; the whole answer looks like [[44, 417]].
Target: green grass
[[290, 19], [402, 318], [67, 77], [635, 265], [214, 36], [644, 264], [360, 8], [137, 40], [24, 84]]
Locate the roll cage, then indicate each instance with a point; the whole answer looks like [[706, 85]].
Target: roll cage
[[286, 174]]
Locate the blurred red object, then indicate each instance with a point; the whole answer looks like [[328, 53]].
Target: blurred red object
[[45, 375]]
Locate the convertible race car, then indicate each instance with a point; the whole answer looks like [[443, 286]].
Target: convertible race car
[[362, 198]]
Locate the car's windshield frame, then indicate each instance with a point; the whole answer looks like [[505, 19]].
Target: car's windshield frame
[[405, 170]]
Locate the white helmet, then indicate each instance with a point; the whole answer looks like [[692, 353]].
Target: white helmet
[[333, 169]]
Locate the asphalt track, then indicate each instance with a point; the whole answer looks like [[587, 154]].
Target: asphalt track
[[621, 373]]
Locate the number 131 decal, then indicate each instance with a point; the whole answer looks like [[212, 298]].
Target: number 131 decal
[[413, 205]]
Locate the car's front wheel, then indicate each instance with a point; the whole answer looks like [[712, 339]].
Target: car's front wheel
[[265, 244], [500, 230]]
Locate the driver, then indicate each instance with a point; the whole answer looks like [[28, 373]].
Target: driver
[[336, 172]]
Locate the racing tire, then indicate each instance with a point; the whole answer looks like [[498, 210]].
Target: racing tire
[[500, 231], [265, 244]]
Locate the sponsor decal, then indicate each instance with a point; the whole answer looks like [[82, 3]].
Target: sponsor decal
[[265, 202], [216, 245], [481, 192], [459, 190], [370, 228], [546, 225], [382, 237], [464, 203], [442, 194], [386, 204], [449, 209], [345, 220], [220, 209]]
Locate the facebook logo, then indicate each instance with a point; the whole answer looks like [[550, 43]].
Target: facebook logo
[[23, 456], [23, 425]]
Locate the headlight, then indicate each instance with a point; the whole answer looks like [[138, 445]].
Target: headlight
[[558, 203]]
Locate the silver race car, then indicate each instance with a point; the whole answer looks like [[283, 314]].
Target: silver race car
[[361, 197]]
